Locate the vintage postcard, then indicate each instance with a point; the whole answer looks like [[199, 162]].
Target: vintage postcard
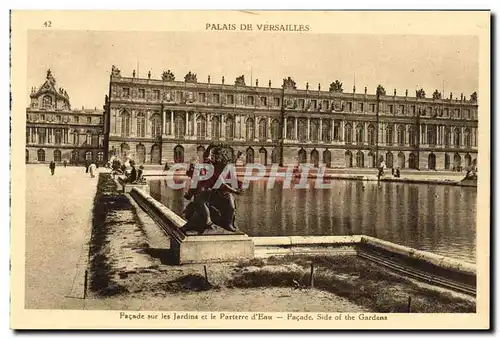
[[250, 170]]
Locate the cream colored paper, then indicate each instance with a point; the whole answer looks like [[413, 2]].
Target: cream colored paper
[[425, 23]]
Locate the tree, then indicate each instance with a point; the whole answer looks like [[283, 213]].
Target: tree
[[336, 86]]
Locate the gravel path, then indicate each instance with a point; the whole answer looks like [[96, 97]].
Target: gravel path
[[58, 215]]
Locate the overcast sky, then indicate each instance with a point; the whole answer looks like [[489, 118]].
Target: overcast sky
[[81, 60]]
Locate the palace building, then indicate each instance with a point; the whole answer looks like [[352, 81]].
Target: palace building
[[167, 120], [55, 132]]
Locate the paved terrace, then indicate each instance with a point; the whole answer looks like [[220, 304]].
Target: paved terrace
[[58, 224]]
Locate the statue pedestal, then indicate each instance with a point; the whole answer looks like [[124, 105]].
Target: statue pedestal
[[212, 246], [127, 187]]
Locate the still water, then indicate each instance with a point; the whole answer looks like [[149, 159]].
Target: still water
[[435, 218]]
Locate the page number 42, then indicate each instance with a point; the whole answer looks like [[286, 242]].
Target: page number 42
[[47, 24]]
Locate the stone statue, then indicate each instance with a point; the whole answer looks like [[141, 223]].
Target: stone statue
[[420, 94], [223, 80], [133, 73], [336, 86], [115, 71], [190, 77], [289, 83], [269, 83], [473, 97], [436, 95], [167, 76], [307, 86], [380, 90], [240, 81], [149, 75]]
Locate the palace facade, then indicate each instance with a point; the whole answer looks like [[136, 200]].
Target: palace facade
[[55, 132], [167, 120]]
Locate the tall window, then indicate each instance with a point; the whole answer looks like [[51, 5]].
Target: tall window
[[180, 125], [88, 155], [216, 98], [230, 99], [359, 133], [156, 94], [41, 155], [290, 128], [401, 135], [467, 141], [58, 136], [371, 134], [275, 129], [250, 100], [42, 135], [336, 131], [89, 120], [431, 135], [348, 133], [28, 134], [389, 137], [314, 133], [77, 119], [263, 101], [277, 102], [75, 138], [216, 127], [201, 126], [250, 129], [456, 137], [229, 128], [302, 129], [155, 125], [57, 155], [125, 124], [263, 129], [413, 137], [126, 92], [58, 118], [142, 93], [141, 125]]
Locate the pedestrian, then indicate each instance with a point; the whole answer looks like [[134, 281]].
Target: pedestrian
[[92, 169], [133, 173], [52, 167], [65, 163], [398, 173], [87, 164]]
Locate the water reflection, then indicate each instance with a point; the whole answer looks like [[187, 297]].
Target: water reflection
[[439, 219]]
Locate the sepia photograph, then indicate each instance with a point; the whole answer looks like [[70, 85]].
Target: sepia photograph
[[251, 170]]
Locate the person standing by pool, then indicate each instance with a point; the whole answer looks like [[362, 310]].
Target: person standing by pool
[[92, 169]]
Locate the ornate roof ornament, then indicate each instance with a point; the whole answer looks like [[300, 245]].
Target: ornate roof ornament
[[289, 83], [473, 97], [190, 77], [167, 76], [240, 81], [336, 86], [436, 95], [115, 71], [420, 94], [380, 90]]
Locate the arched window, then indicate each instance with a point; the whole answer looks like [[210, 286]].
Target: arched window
[[457, 161], [401, 160], [315, 157], [360, 133], [468, 160], [201, 127], [125, 132], [155, 154], [327, 158], [371, 159], [100, 157], [275, 130], [263, 128], [456, 137], [216, 127], [124, 149], [88, 156], [57, 155], [302, 129], [47, 101], [200, 150], [263, 156], [229, 128], [302, 156], [371, 135], [413, 136], [41, 155], [389, 160], [250, 132], [348, 133], [432, 161], [336, 131], [360, 159], [401, 135], [178, 154], [389, 136], [275, 157], [74, 157], [140, 152], [250, 156], [180, 124], [41, 135], [467, 139], [141, 125], [156, 126], [446, 136], [348, 159]]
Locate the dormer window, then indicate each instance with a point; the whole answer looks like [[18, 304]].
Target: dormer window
[[47, 101]]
